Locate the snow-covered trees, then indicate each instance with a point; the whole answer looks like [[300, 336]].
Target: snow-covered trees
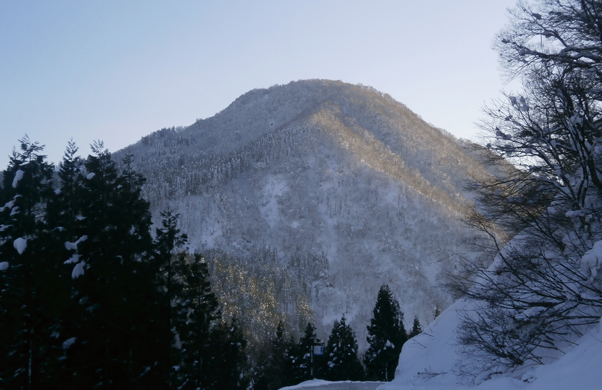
[[30, 292], [536, 293], [113, 288], [304, 365], [386, 336], [87, 298], [342, 362]]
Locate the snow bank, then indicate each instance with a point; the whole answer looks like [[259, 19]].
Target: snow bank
[[317, 384], [430, 362]]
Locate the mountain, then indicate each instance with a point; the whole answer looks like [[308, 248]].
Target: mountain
[[307, 197]]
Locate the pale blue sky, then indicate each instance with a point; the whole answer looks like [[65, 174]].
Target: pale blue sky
[[118, 70]]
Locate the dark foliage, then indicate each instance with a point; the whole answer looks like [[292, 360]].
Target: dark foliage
[[386, 336], [342, 362]]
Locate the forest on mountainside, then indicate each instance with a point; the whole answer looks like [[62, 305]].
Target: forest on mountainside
[[336, 188], [91, 298]]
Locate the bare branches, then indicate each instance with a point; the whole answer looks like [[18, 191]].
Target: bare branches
[[535, 297]]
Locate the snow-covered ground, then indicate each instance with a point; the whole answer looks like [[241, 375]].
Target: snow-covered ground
[[317, 384], [430, 362]]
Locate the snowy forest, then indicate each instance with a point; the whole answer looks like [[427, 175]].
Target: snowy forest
[[322, 192], [92, 298], [313, 229]]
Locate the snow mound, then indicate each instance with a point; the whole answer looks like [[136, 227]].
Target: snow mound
[[430, 360], [326, 385]]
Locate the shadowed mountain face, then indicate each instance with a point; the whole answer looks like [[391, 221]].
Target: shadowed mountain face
[[324, 191]]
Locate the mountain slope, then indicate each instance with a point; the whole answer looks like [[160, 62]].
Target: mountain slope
[[346, 188]]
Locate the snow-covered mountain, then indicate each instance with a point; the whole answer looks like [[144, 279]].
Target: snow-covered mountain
[[324, 191]]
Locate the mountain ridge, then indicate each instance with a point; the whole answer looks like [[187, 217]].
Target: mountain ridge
[[326, 170]]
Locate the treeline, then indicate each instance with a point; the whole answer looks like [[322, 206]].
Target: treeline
[[90, 298], [286, 363]]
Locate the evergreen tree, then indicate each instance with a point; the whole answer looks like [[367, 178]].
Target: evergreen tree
[[225, 361], [304, 365], [277, 370], [341, 354], [196, 310], [168, 240], [114, 338], [386, 335], [30, 288], [416, 328]]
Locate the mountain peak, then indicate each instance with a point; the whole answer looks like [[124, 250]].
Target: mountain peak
[[346, 186]]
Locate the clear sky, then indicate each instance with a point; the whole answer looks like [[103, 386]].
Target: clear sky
[[118, 70]]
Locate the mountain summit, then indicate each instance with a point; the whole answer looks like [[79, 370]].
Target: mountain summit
[[345, 188]]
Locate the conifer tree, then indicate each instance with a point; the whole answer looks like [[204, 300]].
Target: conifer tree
[[113, 342], [304, 364], [341, 354], [416, 328], [168, 240], [30, 292], [386, 335], [225, 361], [196, 311], [277, 370]]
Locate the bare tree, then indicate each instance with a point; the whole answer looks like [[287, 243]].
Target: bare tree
[[536, 295]]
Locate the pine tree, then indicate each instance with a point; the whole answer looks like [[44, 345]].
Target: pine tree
[[416, 328], [341, 354], [386, 335]]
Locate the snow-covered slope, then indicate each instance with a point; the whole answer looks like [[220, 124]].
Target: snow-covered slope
[[435, 360], [432, 361], [345, 186]]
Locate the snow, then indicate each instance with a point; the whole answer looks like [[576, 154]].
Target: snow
[[71, 246], [327, 385], [69, 342], [18, 177], [78, 270], [72, 260], [430, 362], [4, 266], [90, 175], [592, 261], [20, 244], [8, 205]]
